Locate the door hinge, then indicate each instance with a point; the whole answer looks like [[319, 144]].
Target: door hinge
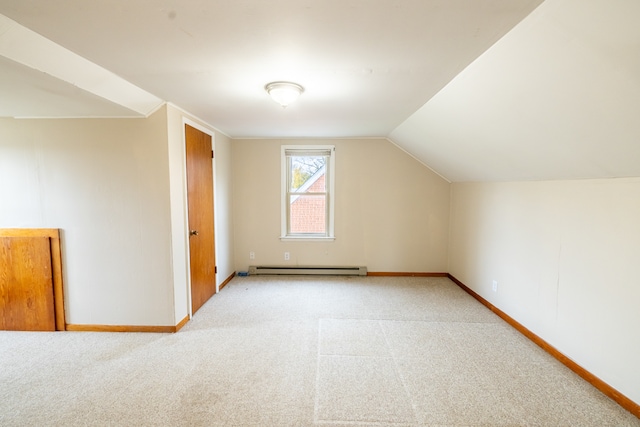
[[212, 154], [216, 269]]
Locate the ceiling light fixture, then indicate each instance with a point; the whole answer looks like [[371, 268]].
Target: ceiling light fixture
[[284, 93]]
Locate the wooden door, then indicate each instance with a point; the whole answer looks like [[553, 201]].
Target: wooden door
[[26, 284], [201, 225]]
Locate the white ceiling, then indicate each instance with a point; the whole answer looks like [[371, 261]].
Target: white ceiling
[[365, 65], [27, 92], [554, 98], [40, 78]]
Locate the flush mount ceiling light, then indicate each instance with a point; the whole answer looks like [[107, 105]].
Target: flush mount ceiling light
[[284, 93]]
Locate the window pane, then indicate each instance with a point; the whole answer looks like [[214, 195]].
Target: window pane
[[308, 174], [307, 191], [308, 214]]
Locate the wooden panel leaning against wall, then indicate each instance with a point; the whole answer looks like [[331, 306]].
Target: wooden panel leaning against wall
[[31, 289]]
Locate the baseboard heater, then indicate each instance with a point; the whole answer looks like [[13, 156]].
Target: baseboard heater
[[309, 270]]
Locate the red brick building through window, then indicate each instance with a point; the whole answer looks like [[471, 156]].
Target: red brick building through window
[[308, 212]]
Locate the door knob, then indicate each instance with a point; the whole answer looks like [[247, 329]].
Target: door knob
[[193, 232]]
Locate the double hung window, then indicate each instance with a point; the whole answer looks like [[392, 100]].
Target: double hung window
[[307, 191]]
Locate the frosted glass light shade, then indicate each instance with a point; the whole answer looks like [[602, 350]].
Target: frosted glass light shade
[[284, 93]]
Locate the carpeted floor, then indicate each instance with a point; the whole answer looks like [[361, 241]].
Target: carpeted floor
[[322, 351]]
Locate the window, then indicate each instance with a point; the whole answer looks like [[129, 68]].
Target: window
[[307, 191]]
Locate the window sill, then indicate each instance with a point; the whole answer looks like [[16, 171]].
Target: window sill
[[306, 239]]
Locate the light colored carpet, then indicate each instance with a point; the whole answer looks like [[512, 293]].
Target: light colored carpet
[[286, 351]]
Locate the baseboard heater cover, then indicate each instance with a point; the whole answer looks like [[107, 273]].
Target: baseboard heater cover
[[307, 270]]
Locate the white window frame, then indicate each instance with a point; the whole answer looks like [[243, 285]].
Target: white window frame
[[330, 184]]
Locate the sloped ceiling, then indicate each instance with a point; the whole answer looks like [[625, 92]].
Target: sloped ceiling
[[554, 98], [28, 92], [365, 65]]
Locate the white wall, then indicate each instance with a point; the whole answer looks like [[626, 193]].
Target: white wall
[[566, 256], [116, 188], [222, 201], [223, 208], [391, 213], [104, 182]]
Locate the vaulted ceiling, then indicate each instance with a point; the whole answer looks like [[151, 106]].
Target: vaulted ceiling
[[475, 89]]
